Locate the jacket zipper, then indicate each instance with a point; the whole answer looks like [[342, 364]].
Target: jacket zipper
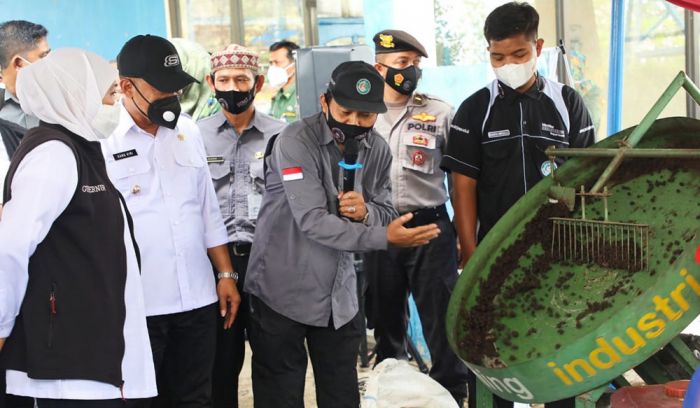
[[53, 311], [522, 146]]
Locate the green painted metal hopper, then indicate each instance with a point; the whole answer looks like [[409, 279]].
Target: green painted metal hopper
[[536, 328]]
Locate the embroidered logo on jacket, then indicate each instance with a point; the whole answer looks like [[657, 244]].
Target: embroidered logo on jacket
[[94, 189]]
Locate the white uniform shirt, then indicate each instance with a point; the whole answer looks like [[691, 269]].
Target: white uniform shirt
[[42, 187], [167, 186]]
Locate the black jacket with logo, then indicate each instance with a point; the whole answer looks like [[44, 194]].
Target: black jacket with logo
[[498, 137], [71, 321]]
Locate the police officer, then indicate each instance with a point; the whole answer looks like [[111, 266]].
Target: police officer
[[499, 134], [415, 126], [235, 140], [156, 158], [301, 279]]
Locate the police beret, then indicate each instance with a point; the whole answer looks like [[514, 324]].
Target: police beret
[[387, 41]]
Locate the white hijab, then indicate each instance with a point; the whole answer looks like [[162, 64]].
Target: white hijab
[[66, 88]]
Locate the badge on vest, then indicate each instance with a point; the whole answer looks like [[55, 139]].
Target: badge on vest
[[259, 155], [215, 159], [546, 168], [418, 158], [420, 140], [125, 155], [424, 117]]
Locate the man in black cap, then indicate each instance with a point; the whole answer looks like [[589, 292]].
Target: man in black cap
[[300, 275], [416, 127], [156, 158]]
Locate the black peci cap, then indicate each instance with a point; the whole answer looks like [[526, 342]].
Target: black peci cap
[[388, 41], [155, 60], [356, 85]]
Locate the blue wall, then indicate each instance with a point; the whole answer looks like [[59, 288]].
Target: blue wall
[[99, 26]]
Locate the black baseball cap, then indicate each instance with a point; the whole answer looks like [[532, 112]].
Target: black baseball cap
[[155, 60], [356, 85]]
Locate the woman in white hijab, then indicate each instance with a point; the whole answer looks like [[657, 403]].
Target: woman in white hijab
[[71, 304]]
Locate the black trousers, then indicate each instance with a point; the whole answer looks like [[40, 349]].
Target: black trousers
[[230, 344], [188, 341], [428, 272], [280, 360]]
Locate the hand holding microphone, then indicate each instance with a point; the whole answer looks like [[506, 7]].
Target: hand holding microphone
[[352, 204]]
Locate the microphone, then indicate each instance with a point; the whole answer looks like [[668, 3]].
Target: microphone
[[349, 164]]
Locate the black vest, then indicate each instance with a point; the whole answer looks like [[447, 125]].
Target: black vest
[[71, 322], [12, 134]]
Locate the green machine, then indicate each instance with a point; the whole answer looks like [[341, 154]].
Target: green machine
[[592, 273]]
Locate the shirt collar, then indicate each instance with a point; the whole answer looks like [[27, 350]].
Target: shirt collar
[[512, 96], [9, 96], [127, 123], [288, 93], [255, 122]]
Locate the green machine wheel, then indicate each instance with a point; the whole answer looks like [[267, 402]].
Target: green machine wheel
[[536, 327]]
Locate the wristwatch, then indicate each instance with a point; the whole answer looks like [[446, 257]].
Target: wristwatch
[[227, 275]]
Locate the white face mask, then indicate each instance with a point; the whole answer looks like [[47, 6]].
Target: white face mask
[[517, 75], [106, 120], [278, 76]]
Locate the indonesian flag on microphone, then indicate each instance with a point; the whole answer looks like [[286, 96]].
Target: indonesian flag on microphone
[[292, 173]]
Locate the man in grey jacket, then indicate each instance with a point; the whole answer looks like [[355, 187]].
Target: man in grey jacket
[[300, 276]]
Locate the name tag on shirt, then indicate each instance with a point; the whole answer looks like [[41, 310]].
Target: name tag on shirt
[[499, 133], [125, 155], [215, 159]]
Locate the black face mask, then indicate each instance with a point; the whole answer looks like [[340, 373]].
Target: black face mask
[[162, 112], [403, 81], [343, 131], [235, 101]]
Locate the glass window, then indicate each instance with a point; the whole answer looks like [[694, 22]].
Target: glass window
[[340, 22], [269, 21], [207, 22], [653, 55], [462, 59], [461, 42]]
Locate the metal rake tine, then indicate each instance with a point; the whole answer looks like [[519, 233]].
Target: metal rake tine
[[551, 249], [629, 257]]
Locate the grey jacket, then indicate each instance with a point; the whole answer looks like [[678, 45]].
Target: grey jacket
[[301, 263], [236, 167]]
